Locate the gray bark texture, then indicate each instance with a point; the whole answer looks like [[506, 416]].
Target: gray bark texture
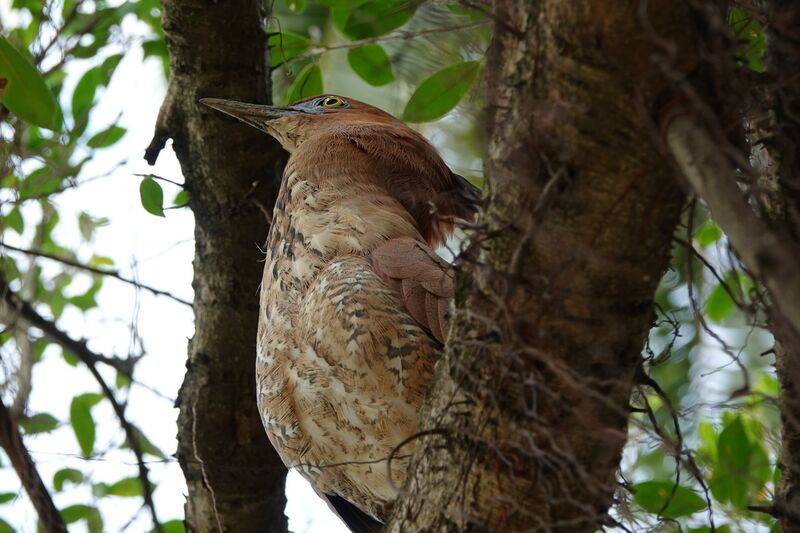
[[528, 413], [218, 49]]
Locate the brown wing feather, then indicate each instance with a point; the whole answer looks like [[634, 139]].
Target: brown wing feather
[[424, 281]]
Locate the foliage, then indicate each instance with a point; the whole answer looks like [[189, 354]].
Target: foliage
[[375, 33], [56, 60]]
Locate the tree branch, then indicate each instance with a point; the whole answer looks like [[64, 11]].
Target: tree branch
[[110, 273], [11, 440], [770, 255], [90, 359]]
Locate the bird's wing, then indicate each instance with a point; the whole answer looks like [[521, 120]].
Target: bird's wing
[[424, 281]]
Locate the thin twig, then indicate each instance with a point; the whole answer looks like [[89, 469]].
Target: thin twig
[[110, 273], [160, 178], [203, 465], [320, 48], [734, 298], [11, 440]]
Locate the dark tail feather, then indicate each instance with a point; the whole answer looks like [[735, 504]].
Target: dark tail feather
[[354, 518], [469, 196]]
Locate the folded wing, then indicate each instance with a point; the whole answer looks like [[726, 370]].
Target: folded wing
[[424, 281]]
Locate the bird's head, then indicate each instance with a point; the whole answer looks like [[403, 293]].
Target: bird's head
[[351, 138], [293, 124]]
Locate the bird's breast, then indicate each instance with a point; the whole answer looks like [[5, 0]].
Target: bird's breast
[[341, 368]]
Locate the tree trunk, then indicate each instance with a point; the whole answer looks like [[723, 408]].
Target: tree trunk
[[218, 49], [783, 59], [528, 414]]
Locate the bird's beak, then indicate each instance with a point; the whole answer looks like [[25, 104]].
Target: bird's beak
[[255, 115]]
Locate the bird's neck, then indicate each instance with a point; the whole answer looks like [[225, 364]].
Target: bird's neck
[[315, 221]]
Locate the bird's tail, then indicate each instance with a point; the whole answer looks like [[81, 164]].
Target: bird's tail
[[469, 197]]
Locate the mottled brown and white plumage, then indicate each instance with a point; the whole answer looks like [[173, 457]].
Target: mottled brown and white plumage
[[353, 298]]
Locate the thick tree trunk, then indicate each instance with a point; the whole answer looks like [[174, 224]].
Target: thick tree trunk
[[783, 60], [528, 413], [218, 49]]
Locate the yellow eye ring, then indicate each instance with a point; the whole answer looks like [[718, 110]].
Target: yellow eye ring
[[332, 101]]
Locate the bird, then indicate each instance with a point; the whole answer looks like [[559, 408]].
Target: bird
[[354, 299]]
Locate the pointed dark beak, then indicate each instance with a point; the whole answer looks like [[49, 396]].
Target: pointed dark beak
[[255, 115]]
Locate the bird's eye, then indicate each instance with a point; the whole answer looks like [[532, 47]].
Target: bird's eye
[[332, 101]]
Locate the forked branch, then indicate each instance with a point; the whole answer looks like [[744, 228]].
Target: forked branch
[[773, 257]]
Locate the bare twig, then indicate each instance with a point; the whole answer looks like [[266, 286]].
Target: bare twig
[[203, 465], [11, 440], [160, 178], [110, 273], [318, 48], [321, 48]]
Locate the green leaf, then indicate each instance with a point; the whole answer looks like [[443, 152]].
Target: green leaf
[[152, 197], [441, 92], [88, 300], [74, 513], [371, 62], [126, 488], [84, 93], [719, 303], [86, 89], [87, 224], [752, 42], [155, 48], [106, 137], [5, 527], [708, 436], [172, 526], [41, 182], [286, 45], [706, 529], [70, 359], [13, 220], [39, 423], [64, 475], [100, 490], [25, 92], [728, 481], [707, 233], [145, 445], [181, 199], [308, 83], [6, 497], [296, 6], [122, 381], [652, 495], [80, 416], [98, 261], [373, 18], [341, 4]]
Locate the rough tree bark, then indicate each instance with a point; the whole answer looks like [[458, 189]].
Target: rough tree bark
[[218, 49], [528, 413], [783, 59]]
